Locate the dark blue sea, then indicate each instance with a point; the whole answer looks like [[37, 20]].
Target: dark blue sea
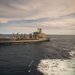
[[23, 59]]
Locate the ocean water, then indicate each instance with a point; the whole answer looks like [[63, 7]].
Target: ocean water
[[23, 59]]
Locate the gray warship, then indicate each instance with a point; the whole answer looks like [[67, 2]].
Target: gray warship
[[37, 36]]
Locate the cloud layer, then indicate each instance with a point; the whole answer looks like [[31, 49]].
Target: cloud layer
[[54, 16]]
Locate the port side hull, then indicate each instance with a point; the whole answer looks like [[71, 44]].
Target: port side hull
[[23, 41]]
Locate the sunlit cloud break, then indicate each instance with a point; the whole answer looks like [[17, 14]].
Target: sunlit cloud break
[[53, 16]]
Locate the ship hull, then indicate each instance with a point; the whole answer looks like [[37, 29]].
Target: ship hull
[[8, 41]]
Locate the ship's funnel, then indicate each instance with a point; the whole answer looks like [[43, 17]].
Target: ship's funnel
[[40, 30]]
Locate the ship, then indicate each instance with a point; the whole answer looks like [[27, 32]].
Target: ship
[[37, 36]]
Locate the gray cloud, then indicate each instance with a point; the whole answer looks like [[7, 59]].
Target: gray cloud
[[68, 15], [46, 14], [31, 8]]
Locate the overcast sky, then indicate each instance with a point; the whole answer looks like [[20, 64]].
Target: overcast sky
[[25, 16]]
